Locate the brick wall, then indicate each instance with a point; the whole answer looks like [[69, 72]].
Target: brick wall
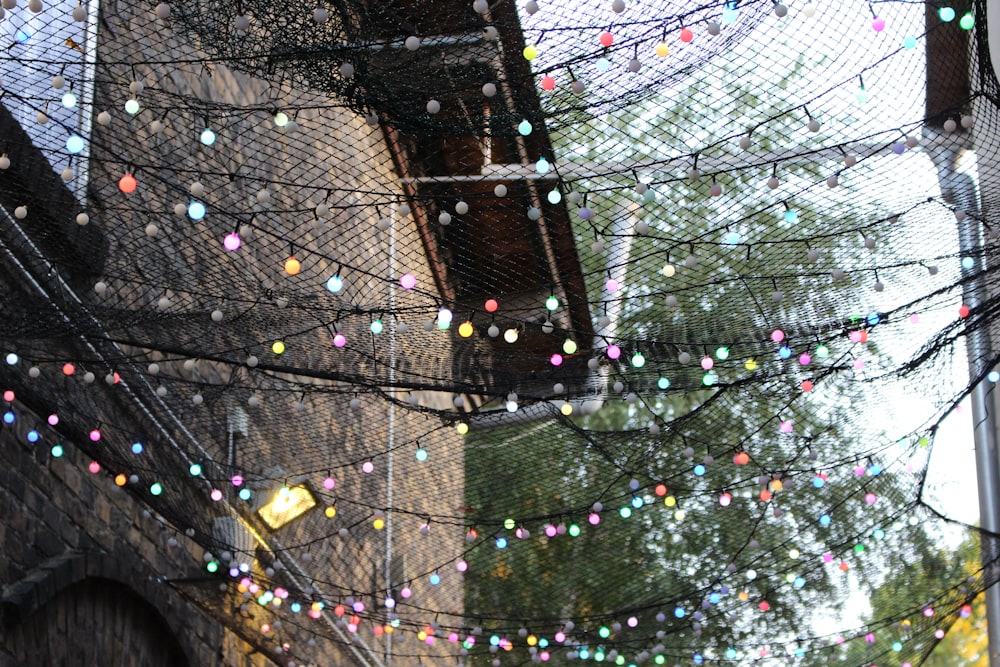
[[62, 524]]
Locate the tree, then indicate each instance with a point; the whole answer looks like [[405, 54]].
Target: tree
[[708, 554]]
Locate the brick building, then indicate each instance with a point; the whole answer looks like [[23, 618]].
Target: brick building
[[152, 421]]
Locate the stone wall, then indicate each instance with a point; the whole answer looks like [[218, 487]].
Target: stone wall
[[63, 525], [60, 508]]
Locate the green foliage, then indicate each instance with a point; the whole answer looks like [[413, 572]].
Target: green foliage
[[694, 573]]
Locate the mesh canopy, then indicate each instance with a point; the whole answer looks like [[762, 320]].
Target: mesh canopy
[[589, 331]]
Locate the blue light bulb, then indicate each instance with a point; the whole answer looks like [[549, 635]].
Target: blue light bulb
[[75, 144], [196, 210]]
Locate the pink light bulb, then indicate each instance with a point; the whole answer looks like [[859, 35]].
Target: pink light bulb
[[408, 281], [53, 419], [594, 518], [614, 352], [329, 483], [95, 435], [237, 480], [777, 335], [556, 359], [232, 242], [216, 495], [339, 340]]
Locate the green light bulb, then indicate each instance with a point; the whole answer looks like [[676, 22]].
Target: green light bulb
[[552, 303]]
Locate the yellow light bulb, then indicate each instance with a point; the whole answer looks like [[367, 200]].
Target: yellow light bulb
[[292, 266], [465, 329], [751, 365], [662, 50], [330, 512]]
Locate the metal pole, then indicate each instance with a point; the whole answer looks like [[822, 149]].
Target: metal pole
[[960, 190]]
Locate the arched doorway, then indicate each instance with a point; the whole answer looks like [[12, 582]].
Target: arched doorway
[[95, 622]]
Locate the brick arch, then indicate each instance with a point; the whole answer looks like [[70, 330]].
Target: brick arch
[[47, 601]]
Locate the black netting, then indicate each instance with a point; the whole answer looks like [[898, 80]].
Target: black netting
[[597, 331]]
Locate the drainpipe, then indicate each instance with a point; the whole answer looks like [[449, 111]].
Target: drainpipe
[[960, 190]]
